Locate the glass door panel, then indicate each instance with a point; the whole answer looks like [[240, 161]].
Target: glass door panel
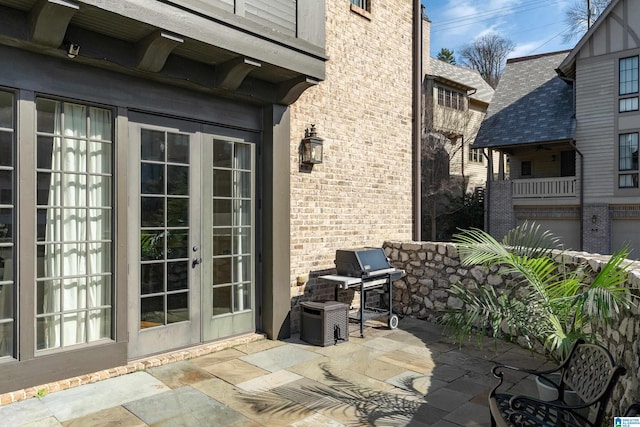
[[164, 231], [193, 215], [166, 294], [229, 301]]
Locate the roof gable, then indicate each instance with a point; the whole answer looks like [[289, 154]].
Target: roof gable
[[615, 30], [464, 77], [531, 104]]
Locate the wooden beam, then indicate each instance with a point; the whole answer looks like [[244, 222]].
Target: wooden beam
[[290, 90], [230, 74], [49, 19], [154, 50]]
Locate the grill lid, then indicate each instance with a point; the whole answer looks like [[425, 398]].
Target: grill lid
[[362, 262]]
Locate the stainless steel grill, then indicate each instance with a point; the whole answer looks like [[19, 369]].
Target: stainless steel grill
[[366, 269]]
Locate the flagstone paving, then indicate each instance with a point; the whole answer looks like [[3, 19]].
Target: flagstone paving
[[410, 376]]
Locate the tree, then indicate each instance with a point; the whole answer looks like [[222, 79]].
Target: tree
[[581, 15], [443, 137], [487, 54], [438, 185], [446, 55]]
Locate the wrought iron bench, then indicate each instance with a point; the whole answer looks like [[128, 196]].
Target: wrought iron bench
[[589, 371]]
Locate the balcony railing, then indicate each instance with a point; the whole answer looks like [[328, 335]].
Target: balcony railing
[[544, 187]]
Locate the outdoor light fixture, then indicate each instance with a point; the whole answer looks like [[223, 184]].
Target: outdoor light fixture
[[311, 147], [73, 49]]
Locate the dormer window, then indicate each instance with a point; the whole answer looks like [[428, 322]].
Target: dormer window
[[451, 99]]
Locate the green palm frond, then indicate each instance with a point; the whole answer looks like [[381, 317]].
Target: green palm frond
[[478, 248], [485, 312], [548, 302], [528, 240]]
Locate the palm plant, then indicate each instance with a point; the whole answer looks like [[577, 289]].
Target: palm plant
[[548, 304]]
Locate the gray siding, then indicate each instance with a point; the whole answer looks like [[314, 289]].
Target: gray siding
[[595, 133], [204, 5], [277, 14]]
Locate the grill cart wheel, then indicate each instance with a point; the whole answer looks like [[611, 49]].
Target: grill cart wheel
[[393, 321]]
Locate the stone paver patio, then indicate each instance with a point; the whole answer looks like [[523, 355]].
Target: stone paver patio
[[410, 376]]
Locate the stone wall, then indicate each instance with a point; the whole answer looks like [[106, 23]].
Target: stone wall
[[432, 267]]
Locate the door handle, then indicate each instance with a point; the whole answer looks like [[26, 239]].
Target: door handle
[[195, 262]]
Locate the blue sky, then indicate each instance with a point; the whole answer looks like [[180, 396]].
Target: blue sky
[[535, 26]]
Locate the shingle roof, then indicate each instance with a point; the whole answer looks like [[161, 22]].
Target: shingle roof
[[466, 76], [531, 104]]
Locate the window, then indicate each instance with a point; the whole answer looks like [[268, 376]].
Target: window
[[7, 225], [525, 168], [74, 224], [628, 84], [451, 99], [475, 155], [362, 4], [628, 160]]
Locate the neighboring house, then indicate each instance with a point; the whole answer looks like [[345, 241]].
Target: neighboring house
[[152, 195], [531, 120], [574, 168], [455, 103]]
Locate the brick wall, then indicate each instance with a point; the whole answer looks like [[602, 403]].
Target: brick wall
[[596, 232], [500, 214], [361, 195]]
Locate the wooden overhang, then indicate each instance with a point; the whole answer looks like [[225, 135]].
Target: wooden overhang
[[217, 52]]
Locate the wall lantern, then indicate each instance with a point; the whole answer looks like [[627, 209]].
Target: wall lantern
[[311, 147], [73, 49]]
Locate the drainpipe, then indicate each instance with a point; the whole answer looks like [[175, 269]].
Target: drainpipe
[[417, 120], [573, 144]]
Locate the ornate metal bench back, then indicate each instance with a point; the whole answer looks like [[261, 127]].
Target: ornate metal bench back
[[589, 371]]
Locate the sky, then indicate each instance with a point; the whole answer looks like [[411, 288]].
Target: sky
[[535, 26]]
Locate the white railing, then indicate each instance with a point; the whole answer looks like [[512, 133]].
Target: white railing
[[544, 187]]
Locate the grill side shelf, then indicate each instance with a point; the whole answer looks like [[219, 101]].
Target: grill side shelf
[[364, 313]]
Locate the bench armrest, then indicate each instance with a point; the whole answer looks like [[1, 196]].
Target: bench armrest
[[497, 371]]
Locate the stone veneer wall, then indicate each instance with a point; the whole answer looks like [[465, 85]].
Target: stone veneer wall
[[361, 195], [432, 267]]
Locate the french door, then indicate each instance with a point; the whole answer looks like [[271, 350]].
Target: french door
[[192, 275]]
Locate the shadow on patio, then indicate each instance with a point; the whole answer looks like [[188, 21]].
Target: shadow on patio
[[410, 376]]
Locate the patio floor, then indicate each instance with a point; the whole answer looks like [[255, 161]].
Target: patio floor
[[410, 376]]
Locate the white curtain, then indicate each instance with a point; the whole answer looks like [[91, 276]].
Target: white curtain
[[74, 254], [99, 223]]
